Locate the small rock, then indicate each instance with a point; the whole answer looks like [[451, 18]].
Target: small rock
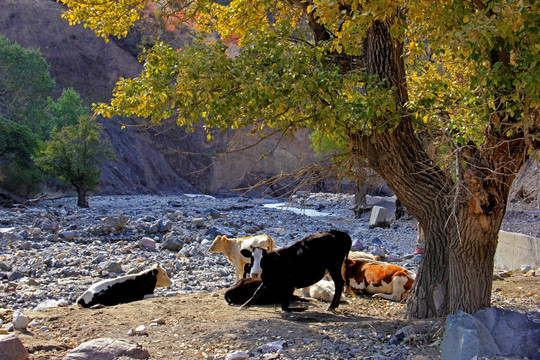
[[525, 268], [47, 225], [274, 346], [67, 235], [531, 273], [117, 222], [378, 217], [158, 321], [148, 243], [238, 355], [12, 348], [113, 267], [357, 245], [172, 241], [198, 222], [51, 303], [20, 321], [32, 282], [108, 349], [15, 275]]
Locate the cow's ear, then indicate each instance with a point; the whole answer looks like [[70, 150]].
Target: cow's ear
[[155, 272], [245, 253]]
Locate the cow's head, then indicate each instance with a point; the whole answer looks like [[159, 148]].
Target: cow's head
[[163, 279], [256, 256], [216, 244]]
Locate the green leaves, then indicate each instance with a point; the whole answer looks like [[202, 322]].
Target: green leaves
[[25, 85], [75, 153]]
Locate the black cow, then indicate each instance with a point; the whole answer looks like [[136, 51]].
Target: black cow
[[302, 264]]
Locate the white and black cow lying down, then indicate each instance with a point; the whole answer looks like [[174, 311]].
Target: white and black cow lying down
[[302, 264], [125, 289]]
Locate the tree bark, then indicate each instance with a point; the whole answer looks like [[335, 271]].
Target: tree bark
[[82, 197]]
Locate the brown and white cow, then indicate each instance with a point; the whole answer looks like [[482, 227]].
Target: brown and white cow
[[232, 247], [383, 280]]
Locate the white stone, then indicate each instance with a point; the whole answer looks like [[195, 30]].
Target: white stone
[[238, 355], [20, 321], [141, 329]]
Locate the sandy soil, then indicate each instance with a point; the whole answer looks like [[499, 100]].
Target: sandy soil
[[200, 325]]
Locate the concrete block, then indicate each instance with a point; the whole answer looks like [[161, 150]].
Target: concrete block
[[378, 217], [515, 250]]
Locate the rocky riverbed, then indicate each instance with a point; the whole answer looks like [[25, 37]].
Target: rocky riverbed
[[51, 251]]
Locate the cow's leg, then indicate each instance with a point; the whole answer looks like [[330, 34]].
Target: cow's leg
[[286, 297], [256, 295], [339, 283], [398, 283]]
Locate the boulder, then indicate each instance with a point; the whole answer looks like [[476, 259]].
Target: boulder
[[12, 348], [466, 337], [108, 349], [513, 332]]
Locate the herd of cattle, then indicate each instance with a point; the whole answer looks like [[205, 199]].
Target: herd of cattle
[[322, 265]]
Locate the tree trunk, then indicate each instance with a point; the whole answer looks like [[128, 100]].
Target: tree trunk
[[82, 197]]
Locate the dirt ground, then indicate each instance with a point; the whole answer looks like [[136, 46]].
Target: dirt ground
[[203, 325]]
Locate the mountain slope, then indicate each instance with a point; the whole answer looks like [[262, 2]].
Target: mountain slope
[[149, 161]]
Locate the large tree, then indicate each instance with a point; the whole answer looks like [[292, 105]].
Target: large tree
[[440, 97]]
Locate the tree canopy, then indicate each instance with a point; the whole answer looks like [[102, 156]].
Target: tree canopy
[[440, 97], [278, 79]]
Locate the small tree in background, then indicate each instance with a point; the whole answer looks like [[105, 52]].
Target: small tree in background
[[67, 109], [75, 154]]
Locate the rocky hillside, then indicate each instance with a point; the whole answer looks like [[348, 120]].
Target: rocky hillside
[[149, 160]]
